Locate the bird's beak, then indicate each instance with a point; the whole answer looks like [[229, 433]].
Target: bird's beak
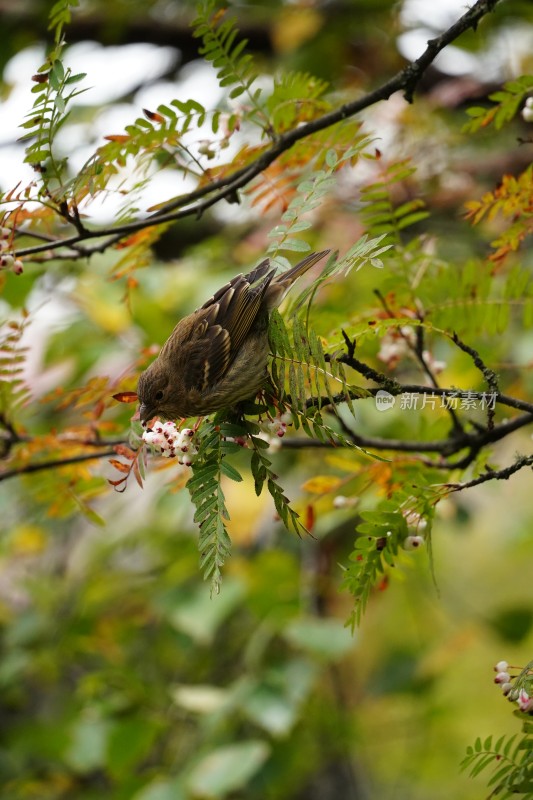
[[145, 414]]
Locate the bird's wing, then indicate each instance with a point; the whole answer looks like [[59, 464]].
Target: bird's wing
[[252, 277], [222, 325], [236, 305], [205, 357]]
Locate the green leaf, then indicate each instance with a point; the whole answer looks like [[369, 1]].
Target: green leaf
[[194, 612], [129, 743], [88, 746], [162, 789], [37, 156], [331, 159], [296, 245], [230, 471], [79, 76], [228, 769], [327, 638]]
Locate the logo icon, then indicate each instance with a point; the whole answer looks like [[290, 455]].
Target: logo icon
[[384, 400]]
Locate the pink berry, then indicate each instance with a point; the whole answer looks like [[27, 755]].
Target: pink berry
[[502, 677]]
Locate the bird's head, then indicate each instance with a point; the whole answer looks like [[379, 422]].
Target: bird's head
[[154, 391]]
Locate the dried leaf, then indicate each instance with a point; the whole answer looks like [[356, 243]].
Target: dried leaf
[[120, 465], [125, 397]]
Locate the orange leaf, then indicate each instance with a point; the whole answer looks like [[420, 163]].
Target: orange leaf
[[119, 465], [137, 473], [117, 137], [125, 397], [117, 483], [122, 450], [217, 16], [321, 484], [153, 115], [135, 238]]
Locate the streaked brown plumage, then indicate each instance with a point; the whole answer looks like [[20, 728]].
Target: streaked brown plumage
[[217, 356]]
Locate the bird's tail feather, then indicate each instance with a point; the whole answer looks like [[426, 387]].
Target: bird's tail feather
[[284, 280]]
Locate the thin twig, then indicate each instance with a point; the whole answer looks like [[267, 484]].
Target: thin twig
[[418, 349], [489, 375], [492, 475], [54, 463]]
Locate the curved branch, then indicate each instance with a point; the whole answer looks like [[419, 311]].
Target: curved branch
[[198, 201], [54, 463], [456, 443], [492, 475]]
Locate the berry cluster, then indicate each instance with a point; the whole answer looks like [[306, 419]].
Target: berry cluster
[[401, 343], [278, 425], [274, 429], [516, 692], [170, 442], [8, 261]]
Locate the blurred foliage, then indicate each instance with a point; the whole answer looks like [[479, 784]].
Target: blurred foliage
[[120, 676]]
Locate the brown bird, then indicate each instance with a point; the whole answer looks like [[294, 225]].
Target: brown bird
[[217, 356]]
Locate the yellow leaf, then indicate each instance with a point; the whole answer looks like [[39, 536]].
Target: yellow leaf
[[347, 462], [28, 540], [321, 484], [294, 26], [101, 303]]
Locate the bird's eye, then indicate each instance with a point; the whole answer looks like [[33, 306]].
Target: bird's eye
[[159, 395]]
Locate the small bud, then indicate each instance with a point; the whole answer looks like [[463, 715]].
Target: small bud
[[524, 701], [527, 113], [506, 688], [501, 666], [17, 267], [502, 677], [412, 542]]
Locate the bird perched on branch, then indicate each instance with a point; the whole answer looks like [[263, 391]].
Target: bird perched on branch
[[217, 356]]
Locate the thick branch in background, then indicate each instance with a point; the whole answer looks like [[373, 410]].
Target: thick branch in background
[[197, 202], [458, 441]]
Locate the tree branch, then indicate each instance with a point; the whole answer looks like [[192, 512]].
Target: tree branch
[[199, 200], [54, 463], [492, 475]]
